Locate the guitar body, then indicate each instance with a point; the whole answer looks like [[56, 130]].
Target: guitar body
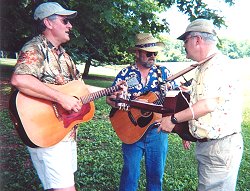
[[132, 124], [125, 123], [42, 123], [177, 104]]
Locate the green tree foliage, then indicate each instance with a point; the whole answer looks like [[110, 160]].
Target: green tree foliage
[[103, 29], [235, 49], [174, 51]]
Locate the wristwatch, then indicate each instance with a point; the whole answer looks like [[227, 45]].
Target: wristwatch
[[174, 120]]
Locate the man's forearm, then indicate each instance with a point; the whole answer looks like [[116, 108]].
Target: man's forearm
[[197, 110]]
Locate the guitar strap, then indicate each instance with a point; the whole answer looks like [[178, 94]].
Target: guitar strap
[[163, 80], [161, 75]]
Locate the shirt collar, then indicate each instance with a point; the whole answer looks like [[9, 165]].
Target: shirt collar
[[51, 46]]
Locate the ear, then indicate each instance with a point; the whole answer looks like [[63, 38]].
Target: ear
[[47, 23], [138, 53], [198, 39]]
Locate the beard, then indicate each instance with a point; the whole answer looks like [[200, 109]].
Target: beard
[[148, 64]]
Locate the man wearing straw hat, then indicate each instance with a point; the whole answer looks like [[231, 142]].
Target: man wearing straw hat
[[152, 145], [215, 114]]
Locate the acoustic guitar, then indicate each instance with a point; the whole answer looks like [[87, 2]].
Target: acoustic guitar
[[42, 123], [132, 123]]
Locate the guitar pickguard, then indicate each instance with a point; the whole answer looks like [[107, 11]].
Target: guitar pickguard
[[130, 125]]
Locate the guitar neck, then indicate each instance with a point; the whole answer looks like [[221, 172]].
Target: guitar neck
[[95, 95], [159, 101], [191, 67], [147, 106]]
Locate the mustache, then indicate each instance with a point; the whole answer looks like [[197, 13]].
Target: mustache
[[151, 59], [146, 65]]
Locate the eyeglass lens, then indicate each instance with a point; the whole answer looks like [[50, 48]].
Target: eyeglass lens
[[149, 54], [65, 21], [186, 40]]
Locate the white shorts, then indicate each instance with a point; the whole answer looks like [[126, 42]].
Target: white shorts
[[55, 165]]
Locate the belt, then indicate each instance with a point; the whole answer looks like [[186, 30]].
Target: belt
[[206, 139]]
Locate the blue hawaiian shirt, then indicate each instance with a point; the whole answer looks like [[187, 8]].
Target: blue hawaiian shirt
[[137, 88]]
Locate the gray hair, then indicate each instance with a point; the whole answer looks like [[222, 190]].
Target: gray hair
[[206, 36], [52, 17], [40, 26]]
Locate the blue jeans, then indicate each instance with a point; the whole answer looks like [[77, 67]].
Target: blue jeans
[[154, 147]]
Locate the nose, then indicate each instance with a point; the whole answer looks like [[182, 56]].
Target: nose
[[68, 24]]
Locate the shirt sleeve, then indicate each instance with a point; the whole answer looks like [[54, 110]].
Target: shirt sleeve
[[30, 61], [166, 74]]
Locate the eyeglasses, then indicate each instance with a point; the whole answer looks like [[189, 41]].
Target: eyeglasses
[[149, 54], [186, 40], [65, 21]]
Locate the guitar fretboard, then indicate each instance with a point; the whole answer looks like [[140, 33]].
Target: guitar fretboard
[[95, 95], [159, 101]]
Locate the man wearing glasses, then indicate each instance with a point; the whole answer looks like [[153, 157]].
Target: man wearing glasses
[[43, 60], [152, 145], [215, 114]]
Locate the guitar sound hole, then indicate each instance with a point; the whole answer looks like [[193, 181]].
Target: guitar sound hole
[[144, 121]]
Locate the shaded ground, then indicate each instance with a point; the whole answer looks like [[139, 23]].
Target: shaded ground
[[4, 98], [5, 73], [13, 153]]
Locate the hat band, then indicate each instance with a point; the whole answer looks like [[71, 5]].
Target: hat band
[[145, 45]]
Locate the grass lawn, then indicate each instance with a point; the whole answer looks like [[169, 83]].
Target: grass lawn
[[7, 62], [99, 155]]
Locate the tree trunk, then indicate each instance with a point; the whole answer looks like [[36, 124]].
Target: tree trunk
[[86, 68]]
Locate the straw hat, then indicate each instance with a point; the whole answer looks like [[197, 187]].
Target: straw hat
[[145, 41]]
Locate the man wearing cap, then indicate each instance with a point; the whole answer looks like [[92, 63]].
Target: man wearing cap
[[215, 114], [152, 145], [43, 60]]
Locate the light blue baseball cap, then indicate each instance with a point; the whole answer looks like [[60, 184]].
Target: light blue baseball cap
[[50, 8]]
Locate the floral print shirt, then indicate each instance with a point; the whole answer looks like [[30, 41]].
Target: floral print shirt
[[41, 59], [217, 79], [152, 82]]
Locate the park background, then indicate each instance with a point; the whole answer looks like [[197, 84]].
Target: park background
[[99, 155]]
